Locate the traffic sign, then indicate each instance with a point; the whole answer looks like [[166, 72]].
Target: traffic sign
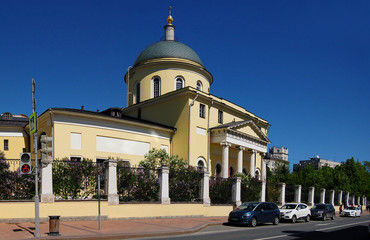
[[33, 123]]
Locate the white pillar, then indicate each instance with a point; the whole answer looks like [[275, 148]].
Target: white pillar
[[164, 197], [47, 195], [332, 196], [340, 197], [113, 198], [347, 199], [311, 196], [225, 159], [263, 177], [236, 191], [282, 193], [204, 192], [358, 200], [297, 193], [353, 200], [253, 163], [322, 195], [240, 158]]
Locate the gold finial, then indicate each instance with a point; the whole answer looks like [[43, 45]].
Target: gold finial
[[169, 18]]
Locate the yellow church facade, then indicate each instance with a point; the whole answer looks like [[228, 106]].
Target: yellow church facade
[[169, 107]]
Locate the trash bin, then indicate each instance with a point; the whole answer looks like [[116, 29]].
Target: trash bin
[[54, 226]]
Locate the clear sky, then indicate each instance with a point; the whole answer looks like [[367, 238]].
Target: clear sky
[[302, 65]]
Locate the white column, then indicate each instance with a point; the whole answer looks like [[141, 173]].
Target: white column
[[253, 163], [358, 200], [240, 158], [353, 200], [47, 195], [236, 191], [332, 196], [204, 192], [322, 195], [297, 193], [164, 197], [311, 196], [282, 193], [340, 197], [113, 198], [225, 159]]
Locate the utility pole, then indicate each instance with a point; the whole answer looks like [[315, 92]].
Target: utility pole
[[37, 217]]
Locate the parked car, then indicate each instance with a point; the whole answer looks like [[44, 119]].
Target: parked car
[[323, 211], [253, 213], [295, 211], [351, 212]]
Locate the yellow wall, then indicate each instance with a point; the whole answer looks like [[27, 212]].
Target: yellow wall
[[15, 143], [25, 210]]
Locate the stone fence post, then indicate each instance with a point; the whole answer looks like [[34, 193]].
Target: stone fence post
[[332, 196], [297, 193], [311, 196], [113, 198], [236, 191], [322, 195], [164, 197], [340, 197], [204, 189], [282, 193]]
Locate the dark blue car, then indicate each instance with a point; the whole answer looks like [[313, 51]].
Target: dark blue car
[[253, 213]]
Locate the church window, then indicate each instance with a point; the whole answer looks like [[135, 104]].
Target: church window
[[202, 111], [218, 170], [179, 83], [156, 87], [199, 85], [6, 145], [137, 93], [220, 116]]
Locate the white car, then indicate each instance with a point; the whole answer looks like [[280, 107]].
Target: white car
[[351, 212], [295, 211]]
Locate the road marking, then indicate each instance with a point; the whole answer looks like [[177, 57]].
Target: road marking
[[280, 236], [323, 224], [323, 229]]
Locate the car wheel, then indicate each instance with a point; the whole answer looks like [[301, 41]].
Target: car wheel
[[294, 219], [324, 217], [253, 222], [332, 217], [308, 218], [276, 221]]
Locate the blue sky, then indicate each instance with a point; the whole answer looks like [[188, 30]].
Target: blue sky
[[302, 65]]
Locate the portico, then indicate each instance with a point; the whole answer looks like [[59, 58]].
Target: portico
[[244, 138]]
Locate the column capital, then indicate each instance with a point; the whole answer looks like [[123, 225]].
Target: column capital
[[240, 148], [225, 144], [252, 151]]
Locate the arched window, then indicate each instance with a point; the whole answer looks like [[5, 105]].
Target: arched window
[[231, 171], [156, 87], [199, 85], [257, 174], [137, 93], [179, 83], [245, 171], [201, 164], [218, 170]]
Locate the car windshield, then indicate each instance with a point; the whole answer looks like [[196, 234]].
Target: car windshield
[[319, 207], [350, 208], [247, 206], [289, 206]]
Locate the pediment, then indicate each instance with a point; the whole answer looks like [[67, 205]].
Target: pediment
[[248, 128]]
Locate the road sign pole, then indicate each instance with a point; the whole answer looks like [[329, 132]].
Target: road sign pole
[[37, 217]]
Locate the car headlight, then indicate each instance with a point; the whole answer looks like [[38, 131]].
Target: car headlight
[[288, 212], [246, 215]]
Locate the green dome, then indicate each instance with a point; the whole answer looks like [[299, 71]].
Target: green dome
[[168, 49]]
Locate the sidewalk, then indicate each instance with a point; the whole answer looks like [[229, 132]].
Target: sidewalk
[[111, 229]]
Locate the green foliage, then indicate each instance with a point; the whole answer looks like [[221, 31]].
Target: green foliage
[[220, 190], [250, 188], [75, 179]]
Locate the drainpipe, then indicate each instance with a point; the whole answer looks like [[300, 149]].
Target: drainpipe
[[191, 104], [52, 134], [128, 85], [209, 135]]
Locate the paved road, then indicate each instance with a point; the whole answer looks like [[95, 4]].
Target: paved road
[[340, 228]]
